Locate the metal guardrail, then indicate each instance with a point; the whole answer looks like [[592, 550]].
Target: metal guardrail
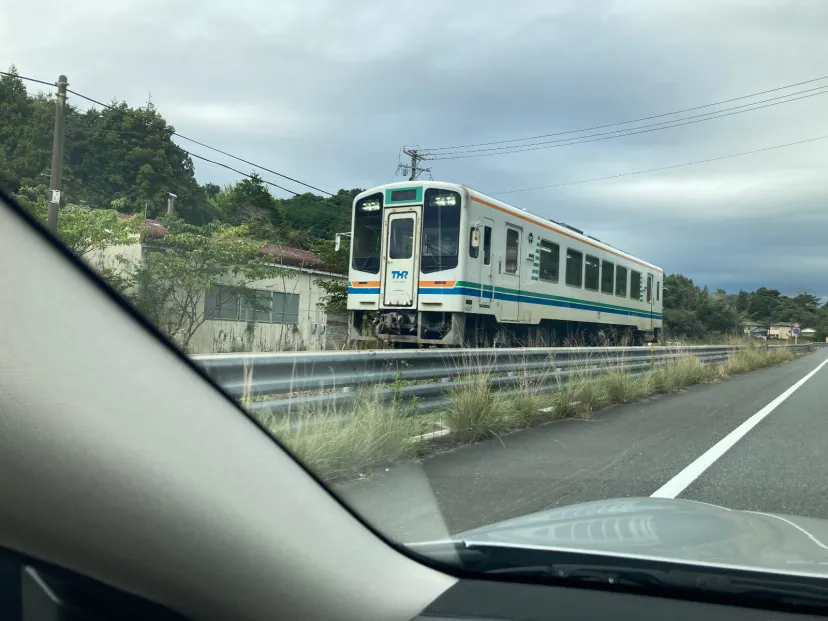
[[301, 381]]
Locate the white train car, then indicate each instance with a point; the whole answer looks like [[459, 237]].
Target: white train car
[[437, 263]]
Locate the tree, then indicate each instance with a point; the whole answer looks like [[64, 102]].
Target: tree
[[334, 300], [319, 218], [245, 201], [170, 284], [81, 228], [121, 153]]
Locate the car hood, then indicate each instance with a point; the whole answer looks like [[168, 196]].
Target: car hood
[[672, 530]]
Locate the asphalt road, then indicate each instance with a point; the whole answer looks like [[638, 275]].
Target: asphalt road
[[780, 465]]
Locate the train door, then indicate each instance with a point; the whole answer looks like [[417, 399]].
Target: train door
[[510, 274], [649, 297], [400, 276], [486, 282]]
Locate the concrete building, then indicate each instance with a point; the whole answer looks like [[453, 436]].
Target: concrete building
[[293, 321], [781, 331]]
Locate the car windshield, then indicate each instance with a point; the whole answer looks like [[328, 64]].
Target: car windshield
[[632, 366]]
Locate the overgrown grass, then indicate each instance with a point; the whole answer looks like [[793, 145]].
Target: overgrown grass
[[474, 411], [344, 443], [676, 374], [751, 358], [624, 387]]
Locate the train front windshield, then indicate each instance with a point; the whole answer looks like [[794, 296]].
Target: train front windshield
[[368, 234], [441, 230]]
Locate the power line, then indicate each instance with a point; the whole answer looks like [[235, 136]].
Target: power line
[[201, 144], [751, 106], [248, 175], [629, 133], [644, 118], [23, 77], [649, 170], [172, 133]]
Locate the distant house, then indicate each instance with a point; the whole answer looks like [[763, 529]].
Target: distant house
[[749, 326], [808, 333], [759, 332], [294, 320], [781, 331]]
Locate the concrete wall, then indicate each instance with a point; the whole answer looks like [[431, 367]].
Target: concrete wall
[[220, 336], [309, 334]]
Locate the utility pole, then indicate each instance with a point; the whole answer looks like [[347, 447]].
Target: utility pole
[[57, 156], [414, 169], [171, 202]]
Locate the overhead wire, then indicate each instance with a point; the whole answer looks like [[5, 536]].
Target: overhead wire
[[172, 133], [627, 133], [638, 120], [649, 170], [789, 97], [202, 144]]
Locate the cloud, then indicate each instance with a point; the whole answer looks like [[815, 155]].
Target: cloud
[[329, 91]]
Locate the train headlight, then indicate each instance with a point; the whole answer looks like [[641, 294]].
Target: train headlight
[[370, 206], [444, 201]]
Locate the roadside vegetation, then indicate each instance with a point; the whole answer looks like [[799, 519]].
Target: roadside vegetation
[[349, 442]]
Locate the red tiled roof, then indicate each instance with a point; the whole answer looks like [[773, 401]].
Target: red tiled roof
[[154, 228], [292, 256]]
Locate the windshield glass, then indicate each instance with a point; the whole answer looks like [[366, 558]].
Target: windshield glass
[[367, 234], [431, 338], [441, 230]]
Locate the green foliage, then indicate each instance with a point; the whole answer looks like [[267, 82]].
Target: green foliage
[[319, 218], [335, 297], [695, 313], [246, 201], [169, 284], [81, 228], [126, 153]]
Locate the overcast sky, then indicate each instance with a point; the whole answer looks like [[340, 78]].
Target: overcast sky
[[329, 91]]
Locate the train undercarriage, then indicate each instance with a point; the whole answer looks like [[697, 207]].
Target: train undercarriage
[[413, 328]]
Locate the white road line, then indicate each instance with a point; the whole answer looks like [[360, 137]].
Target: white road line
[[679, 483]]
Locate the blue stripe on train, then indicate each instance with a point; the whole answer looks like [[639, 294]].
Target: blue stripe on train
[[365, 290], [510, 297]]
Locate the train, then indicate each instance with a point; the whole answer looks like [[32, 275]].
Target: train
[[439, 264]]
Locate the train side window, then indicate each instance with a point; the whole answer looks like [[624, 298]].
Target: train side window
[[550, 258], [487, 245], [658, 291], [635, 285], [649, 288], [474, 251], [592, 273], [621, 281], [512, 244], [607, 276], [574, 267]]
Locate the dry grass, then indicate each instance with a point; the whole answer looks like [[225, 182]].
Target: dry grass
[[624, 387], [678, 373], [475, 411], [345, 443], [755, 357], [348, 442]]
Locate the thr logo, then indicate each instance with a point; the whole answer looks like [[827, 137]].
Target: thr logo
[[396, 274]]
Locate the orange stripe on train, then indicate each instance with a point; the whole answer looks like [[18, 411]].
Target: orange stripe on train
[[365, 283], [437, 283], [565, 234]]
